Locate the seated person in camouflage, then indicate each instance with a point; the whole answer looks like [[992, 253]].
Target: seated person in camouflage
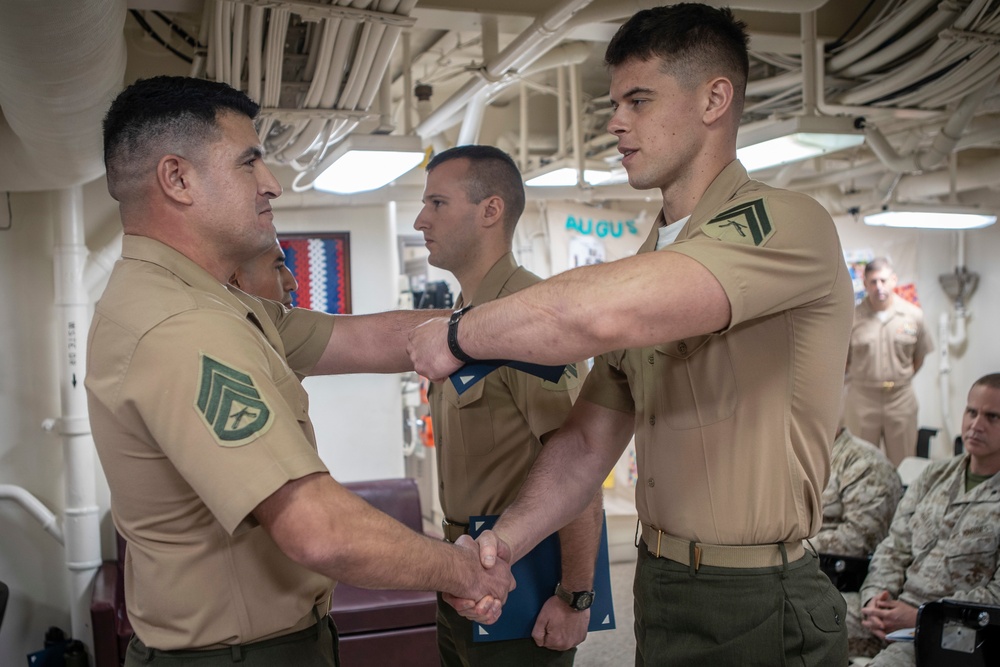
[[859, 499], [944, 541]]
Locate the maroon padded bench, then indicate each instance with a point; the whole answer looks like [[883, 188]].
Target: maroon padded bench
[[387, 627]]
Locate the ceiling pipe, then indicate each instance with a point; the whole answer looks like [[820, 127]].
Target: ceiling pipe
[[522, 51], [60, 65], [944, 142]]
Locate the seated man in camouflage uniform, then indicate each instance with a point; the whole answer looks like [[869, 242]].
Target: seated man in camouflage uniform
[[859, 499], [945, 538]]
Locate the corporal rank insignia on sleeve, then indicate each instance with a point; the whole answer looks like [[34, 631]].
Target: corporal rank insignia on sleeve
[[570, 379], [747, 223], [230, 404]]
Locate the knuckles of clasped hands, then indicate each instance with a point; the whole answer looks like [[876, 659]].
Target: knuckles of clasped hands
[[494, 557], [883, 615], [427, 347]]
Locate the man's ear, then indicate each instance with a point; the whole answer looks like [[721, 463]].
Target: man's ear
[[174, 176], [492, 209], [718, 99]]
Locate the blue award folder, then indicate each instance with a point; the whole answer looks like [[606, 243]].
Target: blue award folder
[[470, 374], [536, 575]]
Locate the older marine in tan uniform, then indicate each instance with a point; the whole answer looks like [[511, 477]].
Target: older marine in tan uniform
[[180, 448], [945, 537], [235, 529], [859, 500], [488, 436], [889, 342]]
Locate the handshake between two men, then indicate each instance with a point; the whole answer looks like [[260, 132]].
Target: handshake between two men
[[495, 559]]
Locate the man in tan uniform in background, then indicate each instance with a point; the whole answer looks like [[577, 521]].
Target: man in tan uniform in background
[[730, 330], [488, 436], [266, 276], [236, 531], [888, 344]]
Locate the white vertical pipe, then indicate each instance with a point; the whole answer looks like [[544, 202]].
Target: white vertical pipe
[[523, 123], [80, 527], [561, 110], [574, 110], [473, 121], [810, 78], [407, 85]]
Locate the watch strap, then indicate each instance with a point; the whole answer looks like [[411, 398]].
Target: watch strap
[[453, 346], [577, 600]]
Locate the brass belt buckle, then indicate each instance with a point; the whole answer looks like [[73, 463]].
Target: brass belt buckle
[[888, 386]]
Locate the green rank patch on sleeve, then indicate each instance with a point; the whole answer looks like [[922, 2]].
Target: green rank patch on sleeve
[[570, 379], [747, 223], [230, 404]]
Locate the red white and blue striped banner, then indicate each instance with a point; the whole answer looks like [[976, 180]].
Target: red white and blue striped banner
[[320, 265]]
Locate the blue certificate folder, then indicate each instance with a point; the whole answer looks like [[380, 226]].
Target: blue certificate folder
[[470, 374], [536, 575]]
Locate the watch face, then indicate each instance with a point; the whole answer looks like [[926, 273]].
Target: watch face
[[583, 601]]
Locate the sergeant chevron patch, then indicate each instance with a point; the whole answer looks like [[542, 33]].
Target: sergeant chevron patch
[[747, 223], [230, 404]]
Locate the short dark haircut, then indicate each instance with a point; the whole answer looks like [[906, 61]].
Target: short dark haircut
[[694, 41], [877, 264], [992, 381], [161, 115], [491, 172]]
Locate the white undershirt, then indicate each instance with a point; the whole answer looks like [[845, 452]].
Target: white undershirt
[[668, 234]]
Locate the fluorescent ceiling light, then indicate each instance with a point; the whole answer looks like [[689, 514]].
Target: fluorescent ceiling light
[[931, 217], [563, 172], [364, 162], [770, 144]]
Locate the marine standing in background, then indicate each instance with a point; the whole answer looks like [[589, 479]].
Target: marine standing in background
[[487, 437], [888, 344], [266, 276]]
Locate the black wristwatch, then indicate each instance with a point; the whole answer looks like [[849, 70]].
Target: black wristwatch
[[577, 600], [453, 345]]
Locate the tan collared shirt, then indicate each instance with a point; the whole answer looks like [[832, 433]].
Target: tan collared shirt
[[198, 416], [886, 351], [488, 437], [734, 429]]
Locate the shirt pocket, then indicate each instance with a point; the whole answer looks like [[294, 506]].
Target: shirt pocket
[[904, 343], [697, 382], [972, 557], [470, 415], [294, 395]]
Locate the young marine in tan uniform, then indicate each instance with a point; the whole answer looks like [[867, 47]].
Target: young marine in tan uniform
[[730, 344], [236, 531], [889, 342], [488, 436]]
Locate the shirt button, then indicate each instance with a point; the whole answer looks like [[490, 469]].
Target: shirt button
[[649, 358], [652, 420], [650, 482], [682, 348]]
